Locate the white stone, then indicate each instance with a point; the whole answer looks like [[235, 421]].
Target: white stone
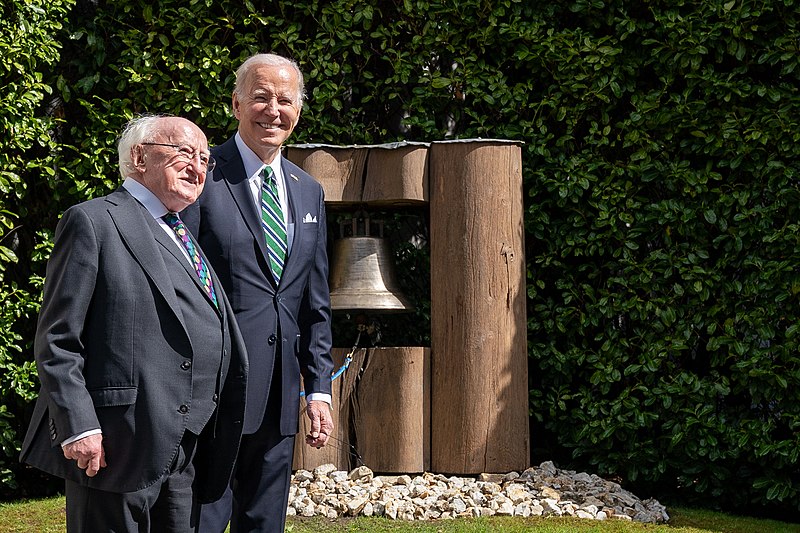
[[339, 476], [550, 507], [355, 505], [458, 505], [318, 495], [362, 473], [419, 490], [406, 512], [477, 497], [308, 510], [324, 470], [506, 509], [303, 475], [591, 509], [540, 491], [523, 510], [550, 493], [491, 488], [391, 509], [518, 493]]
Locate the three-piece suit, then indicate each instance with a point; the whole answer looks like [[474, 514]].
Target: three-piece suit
[[128, 341]]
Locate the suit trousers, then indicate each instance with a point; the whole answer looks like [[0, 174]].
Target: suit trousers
[[257, 499], [168, 506]]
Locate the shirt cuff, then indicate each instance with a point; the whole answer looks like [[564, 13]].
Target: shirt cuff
[[80, 436], [320, 396]]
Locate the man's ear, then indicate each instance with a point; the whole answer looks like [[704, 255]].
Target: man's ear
[[235, 105], [138, 159]]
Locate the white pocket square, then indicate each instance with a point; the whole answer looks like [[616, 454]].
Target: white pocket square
[[308, 219]]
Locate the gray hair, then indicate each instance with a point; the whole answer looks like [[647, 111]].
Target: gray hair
[[137, 130], [269, 60]]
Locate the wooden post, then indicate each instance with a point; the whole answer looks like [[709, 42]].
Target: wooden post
[[390, 410], [339, 169], [397, 175], [479, 383], [336, 452]]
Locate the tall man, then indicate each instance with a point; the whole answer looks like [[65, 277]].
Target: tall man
[[142, 365], [261, 220]]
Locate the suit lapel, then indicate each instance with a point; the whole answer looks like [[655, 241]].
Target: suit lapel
[[131, 220], [235, 177], [294, 199]]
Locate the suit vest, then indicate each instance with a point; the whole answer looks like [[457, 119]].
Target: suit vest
[[206, 328]]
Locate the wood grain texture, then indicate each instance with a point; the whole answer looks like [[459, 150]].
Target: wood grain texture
[[479, 385]]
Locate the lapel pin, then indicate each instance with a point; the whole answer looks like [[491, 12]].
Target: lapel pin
[[293, 177]]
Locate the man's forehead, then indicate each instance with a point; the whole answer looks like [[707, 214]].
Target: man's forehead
[[185, 133]]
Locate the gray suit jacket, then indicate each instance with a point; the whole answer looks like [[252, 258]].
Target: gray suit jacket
[[114, 352], [291, 320]]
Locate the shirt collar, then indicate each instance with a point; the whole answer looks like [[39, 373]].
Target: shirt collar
[[253, 164], [145, 197]]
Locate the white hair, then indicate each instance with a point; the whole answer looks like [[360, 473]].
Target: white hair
[[137, 130], [269, 60]]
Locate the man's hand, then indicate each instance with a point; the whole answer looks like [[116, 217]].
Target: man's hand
[[319, 413], [88, 452]]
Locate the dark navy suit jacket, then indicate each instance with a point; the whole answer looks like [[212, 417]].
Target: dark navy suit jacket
[[290, 320]]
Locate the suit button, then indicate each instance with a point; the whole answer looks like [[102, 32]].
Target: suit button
[[183, 409], [271, 340], [186, 365]]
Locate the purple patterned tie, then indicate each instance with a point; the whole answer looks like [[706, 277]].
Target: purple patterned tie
[[200, 267]]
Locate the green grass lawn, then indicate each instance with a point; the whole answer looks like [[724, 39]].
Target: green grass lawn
[[47, 516]]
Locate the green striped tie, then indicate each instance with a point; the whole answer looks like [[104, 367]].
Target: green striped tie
[[272, 222]]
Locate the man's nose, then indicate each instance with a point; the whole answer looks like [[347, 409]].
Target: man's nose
[[272, 106]]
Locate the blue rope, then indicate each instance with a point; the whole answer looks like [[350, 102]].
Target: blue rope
[[347, 360], [338, 373]]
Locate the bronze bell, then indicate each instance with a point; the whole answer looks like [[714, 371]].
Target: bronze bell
[[362, 275]]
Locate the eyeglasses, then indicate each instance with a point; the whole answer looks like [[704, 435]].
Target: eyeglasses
[[186, 154]]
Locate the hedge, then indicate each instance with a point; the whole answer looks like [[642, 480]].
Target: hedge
[[660, 171]]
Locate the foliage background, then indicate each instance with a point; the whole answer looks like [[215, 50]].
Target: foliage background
[[660, 171]]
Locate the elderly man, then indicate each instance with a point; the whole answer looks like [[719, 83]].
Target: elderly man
[[142, 365], [261, 220]]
